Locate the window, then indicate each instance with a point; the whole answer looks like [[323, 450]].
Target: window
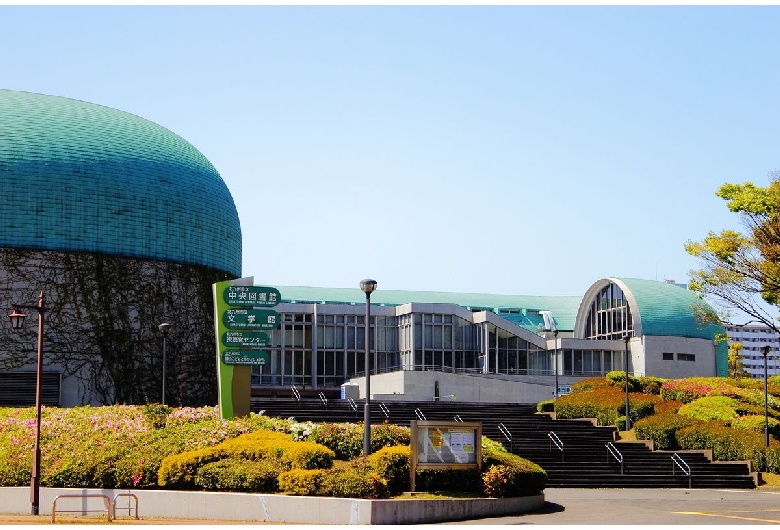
[[668, 356], [686, 357]]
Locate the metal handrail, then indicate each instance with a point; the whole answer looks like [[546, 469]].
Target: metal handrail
[[508, 435], [419, 414], [296, 394], [384, 410], [352, 404], [558, 443], [323, 400], [677, 461], [458, 419], [617, 455], [129, 508], [84, 496]]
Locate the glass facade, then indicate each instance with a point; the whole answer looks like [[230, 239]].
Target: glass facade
[[609, 317]]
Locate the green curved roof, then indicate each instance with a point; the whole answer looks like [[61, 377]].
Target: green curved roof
[[668, 310], [82, 177], [564, 308]]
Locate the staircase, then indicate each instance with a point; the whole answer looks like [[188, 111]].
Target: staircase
[[583, 462]]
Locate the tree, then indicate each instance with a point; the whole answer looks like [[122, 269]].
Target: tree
[[742, 270], [736, 368]]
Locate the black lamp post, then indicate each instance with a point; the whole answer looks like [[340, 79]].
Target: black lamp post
[[555, 361], [17, 322], [765, 352], [626, 338], [368, 287], [164, 329]]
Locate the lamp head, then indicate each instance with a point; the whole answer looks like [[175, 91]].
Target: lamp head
[[17, 319], [164, 328], [765, 350], [368, 286]]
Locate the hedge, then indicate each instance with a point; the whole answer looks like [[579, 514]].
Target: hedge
[[661, 428]]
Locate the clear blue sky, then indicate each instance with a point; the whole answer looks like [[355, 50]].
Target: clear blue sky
[[510, 149]]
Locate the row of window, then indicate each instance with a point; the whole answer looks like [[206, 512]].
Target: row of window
[[669, 356]]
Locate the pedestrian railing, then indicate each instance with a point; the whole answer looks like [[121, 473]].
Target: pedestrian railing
[[296, 394], [128, 508], [508, 435], [678, 462], [554, 440], [384, 410], [82, 509], [614, 453]]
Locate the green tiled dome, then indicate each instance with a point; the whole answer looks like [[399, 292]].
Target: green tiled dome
[[82, 177]]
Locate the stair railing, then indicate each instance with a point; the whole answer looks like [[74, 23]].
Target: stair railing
[[419, 414], [384, 410], [507, 435], [323, 400], [678, 462], [296, 394], [458, 419], [617, 455], [352, 404], [554, 440]]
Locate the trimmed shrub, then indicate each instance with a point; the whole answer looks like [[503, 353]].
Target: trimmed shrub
[[651, 385], [392, 464], [589, 384], [354, 480], [667, 407], [605, 404], [301, 481], [230, 474], [686, 390], [726, 443], [661, 428], [618, 378], [156, 414], [508, 475], [546, 406], [773, 459], [719, 408], [757, 423]]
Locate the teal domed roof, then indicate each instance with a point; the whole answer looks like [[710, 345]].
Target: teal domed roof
[[82, 177]]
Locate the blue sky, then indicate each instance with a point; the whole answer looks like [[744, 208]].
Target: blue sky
[[506, 149]]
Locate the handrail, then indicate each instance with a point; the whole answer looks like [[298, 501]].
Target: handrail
[[296, 394], [323, 400], [558, 443], [617, 455], [129, 508], [508, 435], [419, 414], [458, 419], [384, 410], [352, 404], [58, 497], [677, 461]]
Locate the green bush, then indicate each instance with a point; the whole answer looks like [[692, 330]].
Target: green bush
[[301, 481], [230, 474], [353, 480], [517, 476], [546, 406], [651, 385], [618, 378], [661, 428], [726, 443], [691, 388], [605, 404], [719, 408], [590, 383], [757, 423], [392, 464], [156, 414], [773, 459]]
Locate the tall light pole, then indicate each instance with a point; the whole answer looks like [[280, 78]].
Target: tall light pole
[[368, 287], [164, 329], [17, 321], [626, 338], [555, 361], [765, 352]]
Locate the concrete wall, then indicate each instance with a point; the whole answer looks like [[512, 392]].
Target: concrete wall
[[419, 386], [266, 508], [653, 363]]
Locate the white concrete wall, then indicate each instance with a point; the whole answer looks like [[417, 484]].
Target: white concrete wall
[[419, 386], [652, 363], [266, 507]]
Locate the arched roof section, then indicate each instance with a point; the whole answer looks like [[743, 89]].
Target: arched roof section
[[657, 308], [82, 177]]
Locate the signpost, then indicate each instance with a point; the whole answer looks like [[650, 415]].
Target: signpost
[[241, 317]]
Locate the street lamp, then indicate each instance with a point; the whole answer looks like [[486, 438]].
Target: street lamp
[[626, 338], [17, 322], [164, 329], [765, 352], [368, 287], [555, 361]]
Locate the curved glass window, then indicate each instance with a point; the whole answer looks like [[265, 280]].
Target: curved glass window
[[609, 316]]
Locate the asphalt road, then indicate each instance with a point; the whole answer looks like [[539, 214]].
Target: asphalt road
[[566, 506]]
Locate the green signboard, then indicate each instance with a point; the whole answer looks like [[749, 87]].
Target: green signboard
[[246, 357], [250, 319], [251, 296], [245, 339]]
